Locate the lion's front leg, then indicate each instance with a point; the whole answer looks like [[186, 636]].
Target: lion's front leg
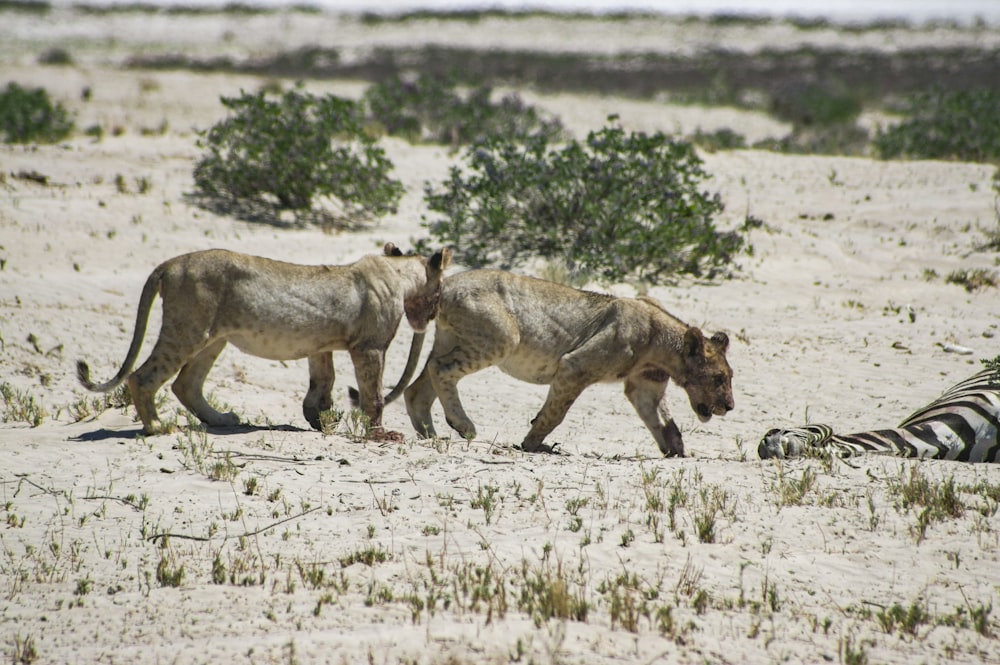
[[420, 397], [319, 397], [368, 366], [649, 400]]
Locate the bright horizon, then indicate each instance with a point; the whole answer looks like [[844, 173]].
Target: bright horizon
[[964, 11]]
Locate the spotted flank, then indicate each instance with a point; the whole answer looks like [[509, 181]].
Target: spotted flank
[[960, 425]]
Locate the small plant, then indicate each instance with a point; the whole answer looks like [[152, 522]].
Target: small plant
[[704, 523], [168, 572], [617, 205], [29, 116], [933, 501], [83, 586], [223, 469], [25, 652], [353, 424], [369, 556], [19, 406], [313, 575], [973, 280], [430, 109], [550, 593], [907, 620], [628, 600], [219, 575], [914, 489], [960, 125], [851, 652], [284, 154], [711, 501], [195, 448], [994, 365], [981, 619], [792, 491], [251, 485], [573, 507], [486, 498]]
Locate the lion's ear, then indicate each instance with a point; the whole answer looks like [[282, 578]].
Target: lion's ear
[[441, 259], [721, 340], [391, 250], [694, 343]]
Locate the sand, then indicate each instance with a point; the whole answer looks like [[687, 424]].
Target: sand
[[316, 548]]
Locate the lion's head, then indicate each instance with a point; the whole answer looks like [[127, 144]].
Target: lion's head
[[421, 305], [708, 378]]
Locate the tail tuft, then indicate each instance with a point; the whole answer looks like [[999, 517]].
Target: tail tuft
[[83, 374]]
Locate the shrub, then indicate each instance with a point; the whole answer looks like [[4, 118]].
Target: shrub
[[285, 153], [56, 56], [961, 125], [429, 109], [824, 120], [28, 116], [814, 105], [842, 139], [719, 139], [617, 205]]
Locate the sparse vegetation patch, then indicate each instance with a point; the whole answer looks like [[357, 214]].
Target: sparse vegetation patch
[[963, 125], [430, 109]]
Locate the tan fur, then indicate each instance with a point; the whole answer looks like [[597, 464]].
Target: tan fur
[[275, 310], [549, 334]]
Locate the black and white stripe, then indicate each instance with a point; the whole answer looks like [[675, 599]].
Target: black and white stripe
[[961, 425]]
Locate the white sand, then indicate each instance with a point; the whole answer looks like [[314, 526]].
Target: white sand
[[813, 319]]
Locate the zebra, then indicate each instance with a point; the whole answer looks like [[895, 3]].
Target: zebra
[[962, 425]]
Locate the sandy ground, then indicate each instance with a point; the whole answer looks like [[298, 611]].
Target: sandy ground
[[322, 549]]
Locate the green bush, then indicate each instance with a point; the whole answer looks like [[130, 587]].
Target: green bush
[[56, 56], [617, 205], [719, 139], [430, 109], [961, 125], [285, 153], [842, 139], [814, 105], [29, 116]]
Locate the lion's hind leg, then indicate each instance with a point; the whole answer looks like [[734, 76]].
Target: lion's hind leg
[[189, 387], [446, 369], [319, 397], [561, 396], [163, 362]]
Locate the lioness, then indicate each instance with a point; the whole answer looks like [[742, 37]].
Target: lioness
[[549, 334], [275, 310]]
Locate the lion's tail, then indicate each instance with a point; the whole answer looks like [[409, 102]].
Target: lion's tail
[[416, 344], [149, 293]]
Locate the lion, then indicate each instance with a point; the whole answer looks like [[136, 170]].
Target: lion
[[279, 311], [549, 334]]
